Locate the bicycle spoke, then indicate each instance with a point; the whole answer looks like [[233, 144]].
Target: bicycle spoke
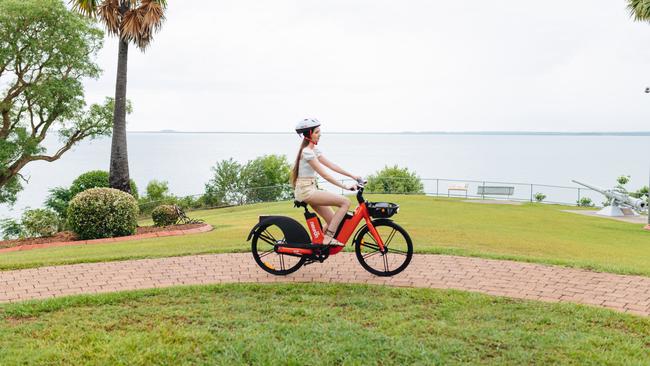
[[282, 262], [268, 238], [390, 237], [373, 239], [370, 254], [385, 263], [270, 235], [266, 253], [397, 251], [371, 246]]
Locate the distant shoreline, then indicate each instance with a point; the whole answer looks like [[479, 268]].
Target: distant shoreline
[[482, 133]]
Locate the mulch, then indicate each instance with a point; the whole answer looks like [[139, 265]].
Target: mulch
[[66, 236]]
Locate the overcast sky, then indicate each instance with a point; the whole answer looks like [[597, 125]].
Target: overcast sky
[[381, 66]]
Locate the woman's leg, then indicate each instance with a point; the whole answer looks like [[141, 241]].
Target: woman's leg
[[323, 198], [326, 213]]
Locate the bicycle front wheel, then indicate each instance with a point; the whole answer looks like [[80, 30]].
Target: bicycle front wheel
[[398, 254]]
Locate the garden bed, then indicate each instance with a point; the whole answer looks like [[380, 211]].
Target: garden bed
[[70, 237]]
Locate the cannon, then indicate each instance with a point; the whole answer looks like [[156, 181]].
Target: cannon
[[621, 203]]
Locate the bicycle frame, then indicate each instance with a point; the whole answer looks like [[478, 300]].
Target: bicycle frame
[[344, 233]]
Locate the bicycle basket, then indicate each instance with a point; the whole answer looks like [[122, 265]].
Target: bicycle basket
[[382, 209]]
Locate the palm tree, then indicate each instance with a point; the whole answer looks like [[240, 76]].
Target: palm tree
[[640, 11], [131, 21]]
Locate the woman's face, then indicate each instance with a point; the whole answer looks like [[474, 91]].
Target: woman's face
[[316, 134]]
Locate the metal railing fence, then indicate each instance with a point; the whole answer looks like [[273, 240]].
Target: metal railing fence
[[522, 192]]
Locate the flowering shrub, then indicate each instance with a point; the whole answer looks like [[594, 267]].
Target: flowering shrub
[[164, 215], [103, 213], [40, 222]]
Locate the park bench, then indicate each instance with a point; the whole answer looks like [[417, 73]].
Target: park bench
[[458, 187], [495, 191]]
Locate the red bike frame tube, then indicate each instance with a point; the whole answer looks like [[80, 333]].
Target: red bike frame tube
[[361, 212], [300, 251], [371, 227]]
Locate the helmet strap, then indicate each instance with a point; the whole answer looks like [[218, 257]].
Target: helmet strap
[[308, 138]]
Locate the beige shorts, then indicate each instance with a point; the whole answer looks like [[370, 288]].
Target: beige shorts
[[305, 188]]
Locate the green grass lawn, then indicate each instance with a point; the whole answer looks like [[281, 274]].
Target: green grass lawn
[[530, 232], [301, 324]]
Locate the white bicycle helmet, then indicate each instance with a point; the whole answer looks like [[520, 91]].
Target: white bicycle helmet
[[306, 125]]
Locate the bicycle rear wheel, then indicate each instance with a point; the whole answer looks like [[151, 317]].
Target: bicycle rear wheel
[[397, 243], [263, 247]]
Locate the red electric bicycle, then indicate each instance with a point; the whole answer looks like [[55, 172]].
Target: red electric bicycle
[[281, 245]]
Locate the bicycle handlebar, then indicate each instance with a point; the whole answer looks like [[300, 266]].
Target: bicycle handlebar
[[360, 185]]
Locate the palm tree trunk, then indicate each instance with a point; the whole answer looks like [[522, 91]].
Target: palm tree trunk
[[119, 169]]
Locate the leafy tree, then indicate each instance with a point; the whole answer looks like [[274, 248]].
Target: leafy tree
[[45, 52], [266, 179], [157, 190], [395, 180], [262, 179], [131, 21], [226, 186]]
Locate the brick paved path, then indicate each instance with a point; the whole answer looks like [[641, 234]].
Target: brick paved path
[[494, 277]]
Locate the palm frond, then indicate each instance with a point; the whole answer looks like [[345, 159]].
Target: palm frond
[[639, 10], [109, 13], [139, 24], [154, 14], [85, 7], [131, 25]]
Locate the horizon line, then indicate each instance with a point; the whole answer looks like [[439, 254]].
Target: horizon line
[[601, 133]]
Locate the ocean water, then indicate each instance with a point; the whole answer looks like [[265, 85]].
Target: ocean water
[[185, 160]]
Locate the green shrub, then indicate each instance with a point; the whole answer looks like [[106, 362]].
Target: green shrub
[[164, 215], [585, 202], [96, 179], [58, 201], [394, 180], [11, 229], [102, 213], [643, 191], [539, 197], [40, 222], [157, 194]]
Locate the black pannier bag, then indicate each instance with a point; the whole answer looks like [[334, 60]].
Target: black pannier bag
[[382, 209]]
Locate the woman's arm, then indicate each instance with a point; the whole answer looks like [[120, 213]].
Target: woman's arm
[[335, 167], [323, 173]]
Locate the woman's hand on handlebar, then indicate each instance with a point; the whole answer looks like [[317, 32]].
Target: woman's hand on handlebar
[[352, 187]]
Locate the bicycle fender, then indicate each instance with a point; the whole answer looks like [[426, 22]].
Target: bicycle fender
[[375, 221], [292, 230]]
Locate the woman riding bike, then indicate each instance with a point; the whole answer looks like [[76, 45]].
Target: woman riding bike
[[310, 161]]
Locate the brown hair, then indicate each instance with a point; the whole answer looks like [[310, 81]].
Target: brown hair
[[296, 166]]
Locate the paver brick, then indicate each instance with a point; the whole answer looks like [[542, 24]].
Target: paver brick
[[502, 278]]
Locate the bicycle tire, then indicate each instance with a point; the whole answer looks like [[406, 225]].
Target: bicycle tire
[[372, 249], [265, 234]]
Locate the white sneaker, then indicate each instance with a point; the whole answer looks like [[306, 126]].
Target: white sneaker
[[328, 240]]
